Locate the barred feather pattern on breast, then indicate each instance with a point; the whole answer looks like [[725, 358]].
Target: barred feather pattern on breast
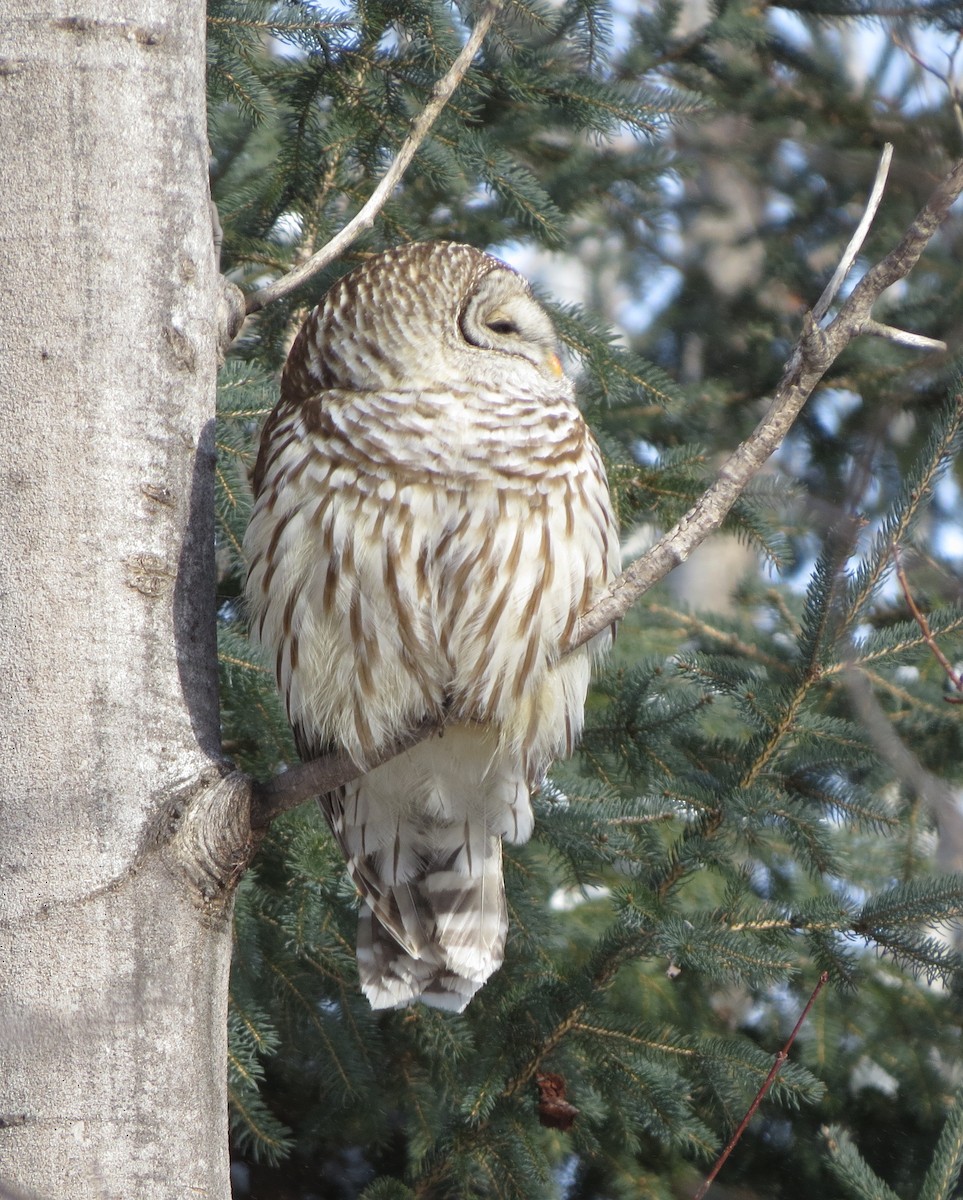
[[431, 517]]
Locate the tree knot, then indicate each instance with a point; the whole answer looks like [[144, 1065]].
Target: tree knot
[[207, 835]]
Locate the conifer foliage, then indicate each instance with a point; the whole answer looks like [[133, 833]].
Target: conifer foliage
[[732, 826]]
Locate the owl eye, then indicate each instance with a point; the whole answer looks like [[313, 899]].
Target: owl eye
[[502, 316]]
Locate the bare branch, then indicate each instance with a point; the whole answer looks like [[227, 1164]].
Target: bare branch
[[297, 784], [938, 796], [812, 356], [885, 741], [368, 213], [814, 353], [822, 305], [902, 337]]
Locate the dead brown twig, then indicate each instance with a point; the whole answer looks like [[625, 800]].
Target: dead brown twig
[[761, 1094], [920, 618]]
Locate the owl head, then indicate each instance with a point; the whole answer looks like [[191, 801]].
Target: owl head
[[427, 315]]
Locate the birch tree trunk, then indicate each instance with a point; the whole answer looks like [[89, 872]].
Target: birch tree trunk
[[113, 964]]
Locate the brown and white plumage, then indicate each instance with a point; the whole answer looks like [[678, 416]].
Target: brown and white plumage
[[431, 517]]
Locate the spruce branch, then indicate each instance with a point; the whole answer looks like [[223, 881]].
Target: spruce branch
[[368, 213], [851, 1169], [814, 353], [942, 446], [944, 1171]]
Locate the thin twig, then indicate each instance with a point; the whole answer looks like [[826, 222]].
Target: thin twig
[[902, 337], [920, 619], [946, 80], [822, 305], [816, 350], [368, 213], [760, 1095]]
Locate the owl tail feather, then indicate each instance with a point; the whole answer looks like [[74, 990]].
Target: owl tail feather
[[422, 836], [441, 938]]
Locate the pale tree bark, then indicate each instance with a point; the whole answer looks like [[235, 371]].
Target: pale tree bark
[[113, 967]]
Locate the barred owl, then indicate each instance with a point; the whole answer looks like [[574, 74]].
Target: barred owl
[[431, 517]]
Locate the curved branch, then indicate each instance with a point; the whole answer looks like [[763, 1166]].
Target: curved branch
[[822, 305], [812, 356], [368, 213], [816, 350]]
